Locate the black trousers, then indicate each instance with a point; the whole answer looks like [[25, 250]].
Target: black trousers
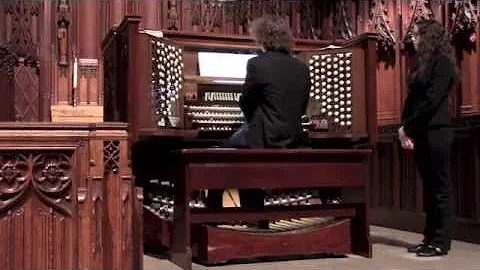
[[249, 198], [432, 157]]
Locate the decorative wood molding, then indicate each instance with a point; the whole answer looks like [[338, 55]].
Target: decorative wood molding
[[173, 15], [52, 181], [308, 27], [464, 20], [8, 61], [420, 9], [379, 23], [343, 20], [48, 175], [111, 156], [63, 37], [22, 43]]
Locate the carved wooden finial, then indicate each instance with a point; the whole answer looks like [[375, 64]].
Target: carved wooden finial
[[420, 10], [379, 23], [464, 19]]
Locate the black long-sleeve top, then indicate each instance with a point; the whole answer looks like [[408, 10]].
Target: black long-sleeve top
[[426, 106]]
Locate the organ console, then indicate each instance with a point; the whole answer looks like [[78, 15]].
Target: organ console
[[160, 88], [176, 92]]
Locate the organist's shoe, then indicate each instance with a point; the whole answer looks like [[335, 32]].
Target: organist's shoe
[[431, 251]]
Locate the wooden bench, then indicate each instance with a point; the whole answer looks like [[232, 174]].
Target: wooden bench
[[218, 168]]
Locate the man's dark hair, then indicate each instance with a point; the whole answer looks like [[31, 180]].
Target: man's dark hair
[[272, 32]]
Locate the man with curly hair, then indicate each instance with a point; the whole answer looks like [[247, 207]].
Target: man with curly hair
[[276, 90], [274, 99]]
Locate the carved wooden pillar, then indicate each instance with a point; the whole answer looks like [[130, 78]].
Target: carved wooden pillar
[[88, 54], [46, 61]]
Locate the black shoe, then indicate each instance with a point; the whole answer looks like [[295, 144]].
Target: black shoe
[[431, 251], [417, 248]]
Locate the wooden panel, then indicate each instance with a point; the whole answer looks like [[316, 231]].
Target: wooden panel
[[67, 199], [307, 175]]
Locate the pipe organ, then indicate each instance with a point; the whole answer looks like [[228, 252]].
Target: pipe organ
[[180, 90]]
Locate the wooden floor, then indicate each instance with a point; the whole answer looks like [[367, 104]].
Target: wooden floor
[[389, 254]]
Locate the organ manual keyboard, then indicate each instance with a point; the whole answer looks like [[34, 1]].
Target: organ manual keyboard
[[176, 94]]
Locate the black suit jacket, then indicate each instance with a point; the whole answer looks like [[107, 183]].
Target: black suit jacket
[[274, 98], [426, 106]]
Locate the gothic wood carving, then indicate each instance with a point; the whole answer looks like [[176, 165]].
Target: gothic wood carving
[[342, 20], [173, 15], [380, 24], [7, 62], [111, 156], [26, 92], [308, 27], [63, 22], [211, 15], [21, 41], [48, 174], [14, 179], [52, 181], [464, 21], [420, 9]]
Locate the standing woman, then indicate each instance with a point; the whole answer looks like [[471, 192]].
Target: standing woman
[[426, 130]]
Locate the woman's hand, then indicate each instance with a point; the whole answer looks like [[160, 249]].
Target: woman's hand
[[407, 142]]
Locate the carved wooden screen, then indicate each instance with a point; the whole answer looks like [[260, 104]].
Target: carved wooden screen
[[37, 191], [26, 93], [21, 60], [7, 71]]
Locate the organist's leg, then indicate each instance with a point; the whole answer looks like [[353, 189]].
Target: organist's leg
[[214, 199], [254, 199]]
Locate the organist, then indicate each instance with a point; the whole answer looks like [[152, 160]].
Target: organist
[[274, 98]]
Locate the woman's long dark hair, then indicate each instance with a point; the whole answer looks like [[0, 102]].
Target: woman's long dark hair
[[434, 41]]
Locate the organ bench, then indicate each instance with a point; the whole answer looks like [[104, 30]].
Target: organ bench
[[221, 168]]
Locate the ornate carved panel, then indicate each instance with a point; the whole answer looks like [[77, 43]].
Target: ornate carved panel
[[48, 175], [343, 20], [420, 9], [52, 181], [63, 23], [26, 93], [380, 24], [15, 177], [111, 155], [309, 28], [173, 15], [464, 23], [7, 62], [21, 40]]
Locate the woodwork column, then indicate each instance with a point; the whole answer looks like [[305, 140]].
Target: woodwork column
[[46, 59], [149, 14], [116, 13], [88, 52]]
